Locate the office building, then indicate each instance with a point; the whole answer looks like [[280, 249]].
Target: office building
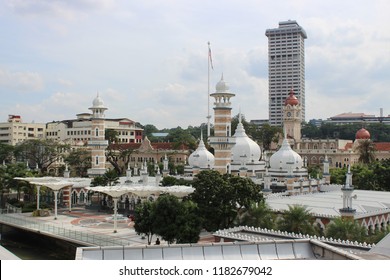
[[286, 67], [15, 131]]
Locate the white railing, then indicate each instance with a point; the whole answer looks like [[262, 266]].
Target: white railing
[[75, 236]]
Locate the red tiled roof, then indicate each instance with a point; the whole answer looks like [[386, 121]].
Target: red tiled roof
[[382, 146], [155, 146]]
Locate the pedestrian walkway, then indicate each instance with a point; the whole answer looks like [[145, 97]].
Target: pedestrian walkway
[[79, 226]]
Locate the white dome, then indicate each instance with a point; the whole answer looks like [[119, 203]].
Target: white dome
[[245, 150], [201, 157], [286, 158], [98, 102], [222, 86]]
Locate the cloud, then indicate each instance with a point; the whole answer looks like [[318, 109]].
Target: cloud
[[21, 82], [69, 9]]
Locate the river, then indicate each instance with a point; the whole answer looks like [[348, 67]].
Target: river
[[33, 246]]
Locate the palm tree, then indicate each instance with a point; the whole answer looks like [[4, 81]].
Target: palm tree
[[346, 229], [296, 219], [366, 151], [258, 215]]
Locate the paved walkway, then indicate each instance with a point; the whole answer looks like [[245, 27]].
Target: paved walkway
[[80, 225]]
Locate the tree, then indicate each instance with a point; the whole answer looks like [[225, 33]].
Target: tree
[[119, 156], [258, 215], [366, 151], [337, 175], [190, 224], [296, 219], [40, 152], [220, 198], [269, 134], [166, 218], [109, 178], [144, 218], [7, 174], [346, 229], [179, 137], [80, 161], [168, 181], [6, 153]]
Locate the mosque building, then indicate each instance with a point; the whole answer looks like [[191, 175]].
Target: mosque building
[[239, 155]]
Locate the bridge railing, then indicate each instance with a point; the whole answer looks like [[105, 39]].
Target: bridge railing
[[71, 235]]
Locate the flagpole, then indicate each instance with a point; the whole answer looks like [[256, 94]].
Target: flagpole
[[208, 89]]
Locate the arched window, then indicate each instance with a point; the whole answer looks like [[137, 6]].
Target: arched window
[[97, 132], [97, 160]]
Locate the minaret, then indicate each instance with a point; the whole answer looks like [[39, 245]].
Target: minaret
[[347, 211], [292, 116], [222, 141], [326, 173], [165, 171], [98, 144]]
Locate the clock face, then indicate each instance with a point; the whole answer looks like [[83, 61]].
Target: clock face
[[288, 114]]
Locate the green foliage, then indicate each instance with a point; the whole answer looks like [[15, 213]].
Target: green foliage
[[6, 153], [174, 220], [166, 220], [258, 215], [220, 198], [40, 152], [168, 181], [296, 219], [269, 134], [337, 175], [79, 161], [144, 217], [379, 132], [346, 229], [109, 178], [366, 151], [374, 176]]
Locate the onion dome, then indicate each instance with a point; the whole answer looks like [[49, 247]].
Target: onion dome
[[201, 157], [245, 150], [98, 102], [285, 158], [222, 86], [362, 134], [291, 99]]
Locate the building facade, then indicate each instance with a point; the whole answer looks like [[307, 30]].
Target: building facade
[[15, 131], [286, 67]]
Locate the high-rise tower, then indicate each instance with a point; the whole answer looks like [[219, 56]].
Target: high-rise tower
[[222, 141], [286, 67]]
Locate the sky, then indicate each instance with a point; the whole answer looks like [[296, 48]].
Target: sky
[[148, 60]]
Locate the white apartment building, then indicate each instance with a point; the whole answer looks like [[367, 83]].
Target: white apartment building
[[79, 130], [14, 131], [286, 67]]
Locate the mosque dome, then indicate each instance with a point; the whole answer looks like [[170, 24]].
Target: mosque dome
[[222, 86], [98, 102], [285, 158], [201, 157], [291, 99], [245, 148], [362, 134]]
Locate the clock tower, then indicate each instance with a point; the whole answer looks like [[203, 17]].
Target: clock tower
[[292, 116]]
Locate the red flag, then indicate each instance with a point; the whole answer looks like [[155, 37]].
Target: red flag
[[210, 59]]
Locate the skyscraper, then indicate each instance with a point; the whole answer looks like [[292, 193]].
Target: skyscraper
[[286, 67]]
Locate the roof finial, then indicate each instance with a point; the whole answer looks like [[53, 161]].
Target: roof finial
[[239, 115]]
